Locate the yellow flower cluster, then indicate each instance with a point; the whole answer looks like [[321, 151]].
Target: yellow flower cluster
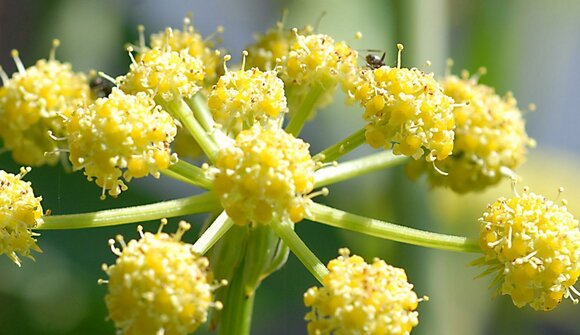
[[317, 59], [534, 245], [405, 109], [361, 298], [241, 98], [316, 63], [20, 212], [490, 135], [164, 74], [191, 41], [264, 176], [272, 48], [158, 286], [34, 104], [121, 131]]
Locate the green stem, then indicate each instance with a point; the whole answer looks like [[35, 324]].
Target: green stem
[[373, 227], [357, 167], [198, 104], [305, 255], [237, 313], [297, 122], [180, 110], [188, 173], [279, 259], [191, 205], [214, 233], [341, 148]]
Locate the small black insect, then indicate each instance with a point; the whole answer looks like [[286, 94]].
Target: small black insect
[[100, 87], [374, 61]]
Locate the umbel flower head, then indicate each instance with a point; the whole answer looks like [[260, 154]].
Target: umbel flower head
[[20, 212], [272, 48], [158, 285], [163, 73], [241, 98], [360, 298], [317, 63], [534, 246], [265, 175], [407, 110], [490, 136], [33, 105], [194, 44], [121, 131]]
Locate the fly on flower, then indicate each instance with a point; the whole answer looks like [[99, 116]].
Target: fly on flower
[[373, 60]]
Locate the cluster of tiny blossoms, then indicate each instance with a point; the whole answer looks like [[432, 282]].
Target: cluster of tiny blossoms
[[262, 177], [362, 298]]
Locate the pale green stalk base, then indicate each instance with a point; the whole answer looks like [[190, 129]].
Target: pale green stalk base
[[357, 167], [236, 316], [181, 111], [341, 148], [297, 122], [299, 248], [206, 202], [373, 227], [216, 230], [198, 104], [188, 173]]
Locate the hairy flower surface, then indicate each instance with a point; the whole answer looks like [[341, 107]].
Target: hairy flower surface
[[534, 245], [158, 285], [265, 175], [119, 132], [190, 40], [489, 135], [405, 109], [164, 73], [33, 105], [20, 212], [241, 98], [360, 298]]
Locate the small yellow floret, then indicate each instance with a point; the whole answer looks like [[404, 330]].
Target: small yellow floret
[[361, 298], [20, 212], [265, 175], [166, 74], [119, 132], [242, 98], [490, 135], [535, 246], [406, 110], [158, 285], [33, 106]]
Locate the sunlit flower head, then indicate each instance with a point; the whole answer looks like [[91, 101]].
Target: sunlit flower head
[[533, 246], [20, 212], [121, 132], [362, 298], [196, 46], [165, 74], [242, 98], [265, 175], [490, 136], [158, 285], [407, 110], [272, 48], [33, 106]]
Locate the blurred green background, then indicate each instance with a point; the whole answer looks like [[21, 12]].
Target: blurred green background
[[529, 47]]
